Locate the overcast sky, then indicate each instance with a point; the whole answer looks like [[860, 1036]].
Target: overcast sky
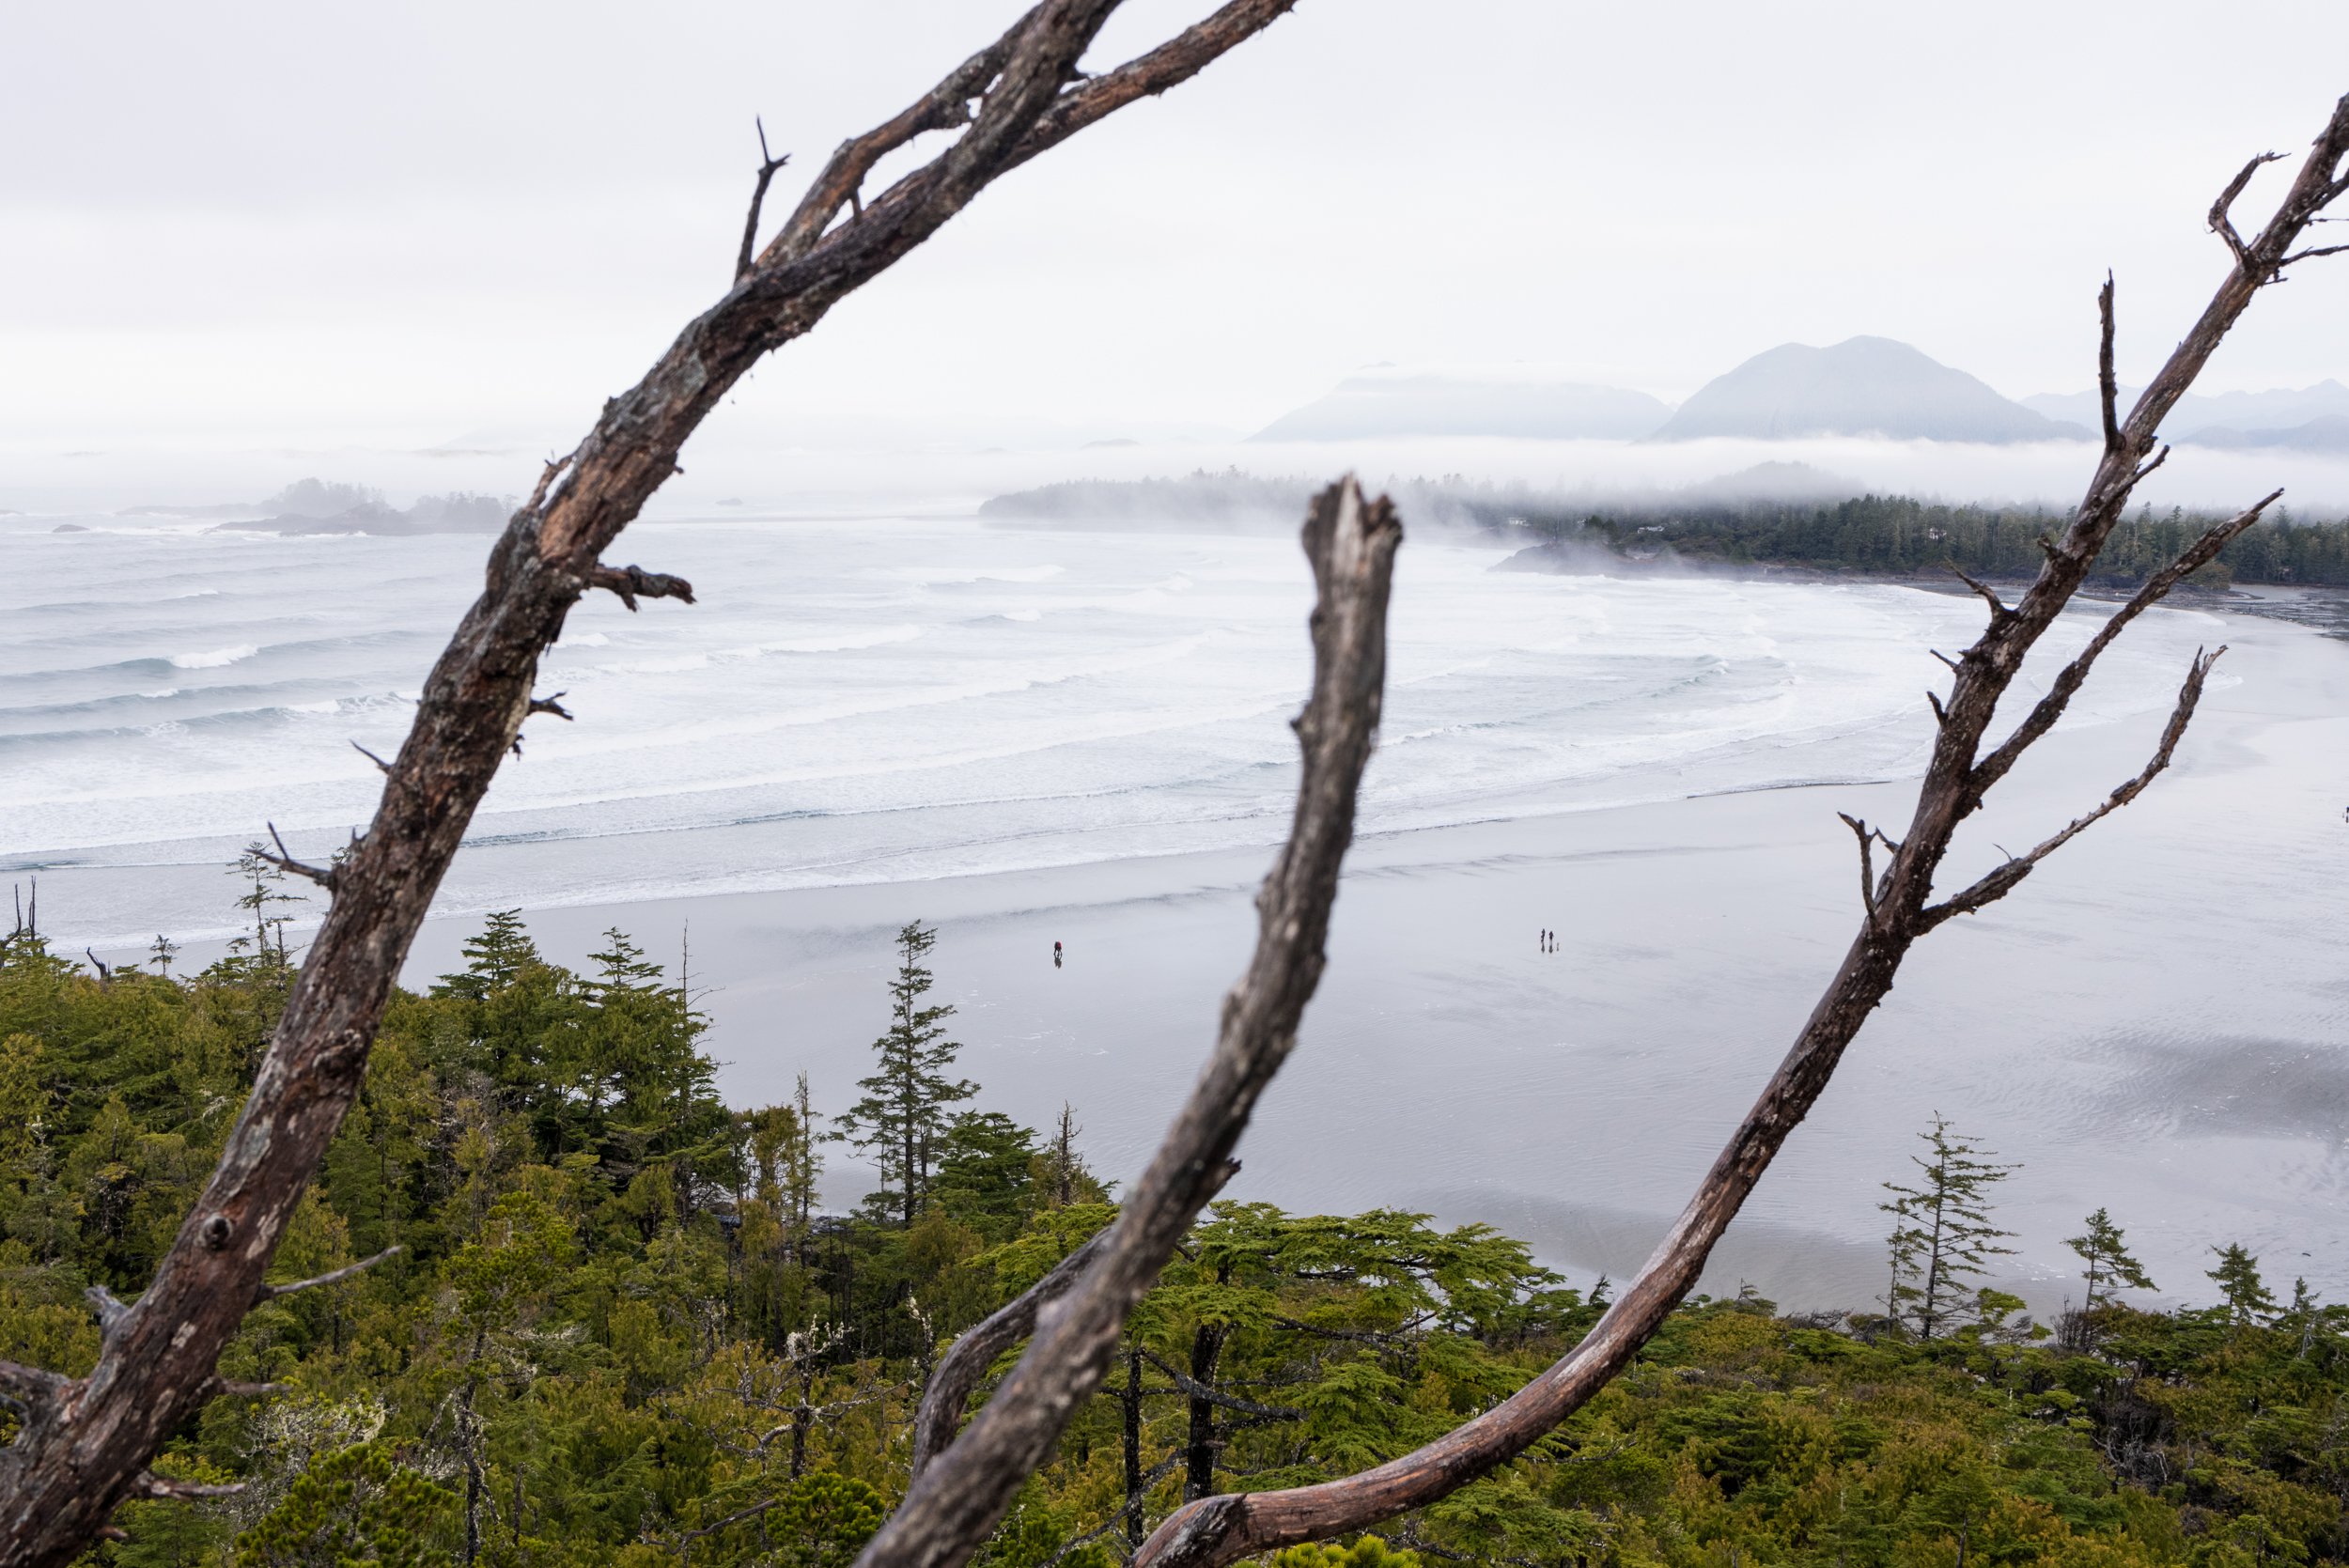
[[412, 224]]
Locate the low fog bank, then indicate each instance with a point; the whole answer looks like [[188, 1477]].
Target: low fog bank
[[738, 473], [1236, 502]]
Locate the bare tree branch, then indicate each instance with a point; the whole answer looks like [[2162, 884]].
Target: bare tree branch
[[1185, 1384], [2068, 681], [957, 1498], [2221, 223], [285, 861], [630, 582], [767, 164], [1213, 1531], [110, 1307], [2000, 882], [966, 1361], [61, 1478], [2108, 380], [171, 1489], [1989, 595], [29, 1388], [335, 1277]]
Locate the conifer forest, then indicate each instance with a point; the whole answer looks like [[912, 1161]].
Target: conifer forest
[[613, 1322]]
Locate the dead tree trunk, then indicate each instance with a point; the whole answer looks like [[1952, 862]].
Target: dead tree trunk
[[1206, 1348], [957, 1498], [1129, 1437], [84, 1444]]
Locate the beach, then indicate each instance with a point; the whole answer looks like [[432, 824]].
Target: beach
[[2152, 1023], [1028, 738]]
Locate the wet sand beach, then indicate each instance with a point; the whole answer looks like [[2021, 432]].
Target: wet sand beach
[[2158, 1022]]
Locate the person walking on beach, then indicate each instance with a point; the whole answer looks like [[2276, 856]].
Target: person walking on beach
[[1056, 954]]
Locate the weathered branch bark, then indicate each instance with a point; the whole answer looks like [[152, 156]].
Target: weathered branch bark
[[630, 582], [958, 1372], [29, 1388], [1223, 1530], [69, 1468], [2107, 379], [959, 1497]]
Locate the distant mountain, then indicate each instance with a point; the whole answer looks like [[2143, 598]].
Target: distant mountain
[[1771, 482], [1860, 387], [2229, 414], [2328, 433], [1395, 403]]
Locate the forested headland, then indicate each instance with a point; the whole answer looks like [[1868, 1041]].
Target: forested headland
[[1891, 535], [1867, 535], [620, 1327]]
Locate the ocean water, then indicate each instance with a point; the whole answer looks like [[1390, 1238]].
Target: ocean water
[[887, 700], [858, 711]]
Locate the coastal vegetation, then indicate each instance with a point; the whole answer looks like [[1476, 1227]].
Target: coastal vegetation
[[1890, 535], [613, 1322], [1713, 526], [552, 1182]]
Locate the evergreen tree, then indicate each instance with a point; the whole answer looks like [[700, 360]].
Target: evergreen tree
[[1941, 1231], [2110, 1268], [269, 929], [987, 1173], [2237, 1277], [494, 960], [902, 1118], [1061, 1174]]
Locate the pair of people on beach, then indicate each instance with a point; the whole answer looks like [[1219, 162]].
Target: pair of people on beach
[[1549, 940]]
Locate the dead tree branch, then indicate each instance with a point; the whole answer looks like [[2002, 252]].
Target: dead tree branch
[[29, 1390], [284, 860], [959, 1372], [631, 583], [2068, 681], [335, 1277], [1213, 1531], [767, 164], [2221, 220], [170, 1489], [959, 1497], [1191, 1387], [2107, 379], [59, 1479], [2000, 882]]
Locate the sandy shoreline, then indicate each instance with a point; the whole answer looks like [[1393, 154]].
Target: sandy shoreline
[[2153, 1023]]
